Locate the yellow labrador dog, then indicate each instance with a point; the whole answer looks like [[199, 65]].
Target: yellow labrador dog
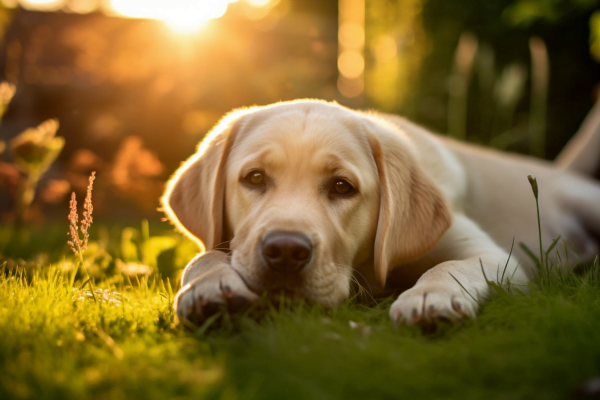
[[303, 195]]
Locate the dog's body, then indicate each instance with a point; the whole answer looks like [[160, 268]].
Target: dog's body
[[308, 192]]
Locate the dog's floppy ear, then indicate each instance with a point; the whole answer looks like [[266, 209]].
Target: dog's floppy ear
[[413, 211], [194, 198]]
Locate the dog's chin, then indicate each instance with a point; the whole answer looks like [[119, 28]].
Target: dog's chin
[[276, 285], [289, 287], [284, 294]]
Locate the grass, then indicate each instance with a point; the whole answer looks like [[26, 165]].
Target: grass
[[53, 346]]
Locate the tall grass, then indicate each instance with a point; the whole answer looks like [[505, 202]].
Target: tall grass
[[499, 94]]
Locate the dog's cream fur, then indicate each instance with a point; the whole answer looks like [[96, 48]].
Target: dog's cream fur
[[436, 210]]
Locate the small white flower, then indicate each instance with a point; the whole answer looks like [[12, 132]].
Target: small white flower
[[132, 269]]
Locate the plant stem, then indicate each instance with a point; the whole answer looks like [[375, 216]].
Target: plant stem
[[80, 253], [26, 193], [537, 206]]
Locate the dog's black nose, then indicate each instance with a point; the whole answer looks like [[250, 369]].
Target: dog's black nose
[[286, 251]]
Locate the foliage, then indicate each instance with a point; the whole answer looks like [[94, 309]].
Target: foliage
[[112, 250], [504, 53], [33, 152], [526, 12], [500, 94], [595, 35]]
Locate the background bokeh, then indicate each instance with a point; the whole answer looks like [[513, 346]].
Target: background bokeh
[[136, 84]]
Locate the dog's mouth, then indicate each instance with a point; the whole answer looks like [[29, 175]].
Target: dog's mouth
[[277, 286], [277, 282]]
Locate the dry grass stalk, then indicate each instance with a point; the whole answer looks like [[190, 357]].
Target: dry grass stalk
[[78, 245], [87, 214], [75, 243]]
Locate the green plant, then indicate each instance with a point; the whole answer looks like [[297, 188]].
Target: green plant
[[499, 94], [33, 151], [7, 91]]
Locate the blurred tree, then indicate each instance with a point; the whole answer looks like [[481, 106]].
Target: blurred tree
[[395, 48], [527, 12], [595, 35]]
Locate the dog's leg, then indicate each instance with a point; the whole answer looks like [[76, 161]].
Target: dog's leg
[[582, 152], [468, 252], [209, 284], [581, 211]]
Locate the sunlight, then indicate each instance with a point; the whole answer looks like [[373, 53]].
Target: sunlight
[[181, 15], [351, 44], [42, 5], [259, 3]]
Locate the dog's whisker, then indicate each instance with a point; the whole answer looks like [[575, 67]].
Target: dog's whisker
[[360, 290], [355, 280], [363, 290], [368, 290], [362, 276], [215, 247]]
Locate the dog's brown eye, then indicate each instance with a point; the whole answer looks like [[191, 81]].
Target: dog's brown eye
[[342, 187], [255, 178]]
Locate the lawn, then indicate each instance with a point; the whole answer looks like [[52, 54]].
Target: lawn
[[56, 342]]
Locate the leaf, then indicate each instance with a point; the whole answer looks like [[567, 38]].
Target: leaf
[[552, 246], [508, 259], [530, 253], [129, 250], [154, 246], [595, 35], [461, 285]]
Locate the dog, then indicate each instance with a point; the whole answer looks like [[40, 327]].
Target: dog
[[304, 196]]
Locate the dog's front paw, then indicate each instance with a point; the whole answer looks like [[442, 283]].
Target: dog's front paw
[[219, 289], [430, 304]]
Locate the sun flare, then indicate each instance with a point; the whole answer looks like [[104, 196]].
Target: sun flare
[[181, 15]]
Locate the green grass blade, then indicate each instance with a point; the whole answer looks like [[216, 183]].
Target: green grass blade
[[463, 288], [552, 246], [508, 259], [529, 253]]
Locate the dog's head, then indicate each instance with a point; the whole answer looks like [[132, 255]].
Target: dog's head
[[304, 192]]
